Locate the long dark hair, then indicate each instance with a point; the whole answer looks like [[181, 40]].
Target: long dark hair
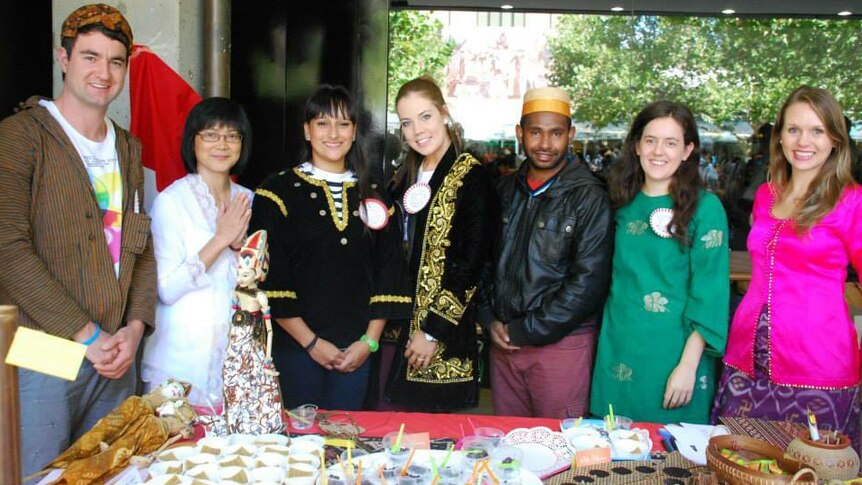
[[627, 176], [428, 89], [826, 188], [333, 101]]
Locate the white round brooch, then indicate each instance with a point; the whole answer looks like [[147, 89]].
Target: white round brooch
[[374, 213], [660, 220], [416, 197]]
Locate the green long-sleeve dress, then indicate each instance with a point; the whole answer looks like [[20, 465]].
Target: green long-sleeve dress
[[660, 293]]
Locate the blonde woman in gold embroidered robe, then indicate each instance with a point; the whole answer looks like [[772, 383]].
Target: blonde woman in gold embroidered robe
[[447, 212]]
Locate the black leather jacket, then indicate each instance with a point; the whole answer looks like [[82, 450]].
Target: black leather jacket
[[552, 258]]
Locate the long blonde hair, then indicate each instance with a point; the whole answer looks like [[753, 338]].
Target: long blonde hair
[[825, 190], [428, 89]]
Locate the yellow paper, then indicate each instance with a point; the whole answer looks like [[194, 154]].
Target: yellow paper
[[40, 352]]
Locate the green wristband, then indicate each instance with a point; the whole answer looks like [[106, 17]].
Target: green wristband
[[372, 344]]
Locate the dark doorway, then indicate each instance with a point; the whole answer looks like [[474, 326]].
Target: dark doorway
[[26, 56], [281, 52]]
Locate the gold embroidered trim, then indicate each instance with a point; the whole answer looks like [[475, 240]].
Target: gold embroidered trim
[[390, 299], [342, 220], [271, 196], [430, 296], [291, 295]]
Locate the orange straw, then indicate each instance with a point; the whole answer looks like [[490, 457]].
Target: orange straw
[[380, 472], [359, 473], [436, 478], [473, 475], [407, 464], [490, 473]]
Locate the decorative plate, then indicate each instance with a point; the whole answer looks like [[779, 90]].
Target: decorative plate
[[546, 452]]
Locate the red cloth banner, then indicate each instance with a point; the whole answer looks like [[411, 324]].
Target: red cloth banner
[[160, 102]]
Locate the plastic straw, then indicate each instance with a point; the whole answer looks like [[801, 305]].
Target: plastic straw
[[359, 473], [343, 467], [350, 457], [490, 473], [407, 463], [448, 454], [473, 475], [382, 476], [397, 445], [611, 420], [323, 478], [434, 468], [472, 425]]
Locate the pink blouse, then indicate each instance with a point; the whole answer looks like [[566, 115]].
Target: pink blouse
[[812, 339]]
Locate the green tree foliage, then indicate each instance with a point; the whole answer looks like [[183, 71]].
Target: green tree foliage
[[723, 68], [416, 47]]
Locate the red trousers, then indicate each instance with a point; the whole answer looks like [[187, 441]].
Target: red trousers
[[549, 382]]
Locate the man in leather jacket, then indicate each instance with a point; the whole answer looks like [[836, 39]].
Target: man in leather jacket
[[551, 270]]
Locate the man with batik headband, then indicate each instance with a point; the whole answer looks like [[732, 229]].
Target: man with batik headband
[[76, 255], [552, 261]]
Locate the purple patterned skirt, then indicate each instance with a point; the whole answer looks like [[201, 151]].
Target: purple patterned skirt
[[740, 395]]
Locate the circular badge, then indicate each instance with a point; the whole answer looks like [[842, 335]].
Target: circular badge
[[374, 213], [416, 197], [659, 221]]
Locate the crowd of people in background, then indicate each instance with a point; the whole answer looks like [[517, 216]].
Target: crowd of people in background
[[596, 281]]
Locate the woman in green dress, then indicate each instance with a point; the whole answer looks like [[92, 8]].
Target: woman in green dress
[[665, 320]]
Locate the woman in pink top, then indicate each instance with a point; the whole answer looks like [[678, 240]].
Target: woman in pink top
[[792, 345]]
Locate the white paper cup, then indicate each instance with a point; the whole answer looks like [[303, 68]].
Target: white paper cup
[[208, 471], [236, 460], [165, 468], [179, 453], [301, 474], [236, 474], [271, 439], [271, 459], [279, 449], [313, 460], [199, 459], [212, 445], [243, 449], [268, 474]]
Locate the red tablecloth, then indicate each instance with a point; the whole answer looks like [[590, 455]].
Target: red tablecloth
[[377, 424]]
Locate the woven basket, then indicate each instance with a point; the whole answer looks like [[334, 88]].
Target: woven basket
[[751, 448]]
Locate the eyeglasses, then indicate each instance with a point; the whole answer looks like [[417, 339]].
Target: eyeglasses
[[213, 136]]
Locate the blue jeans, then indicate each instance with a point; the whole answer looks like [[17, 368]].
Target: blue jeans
[[56, 412], [304, 381]]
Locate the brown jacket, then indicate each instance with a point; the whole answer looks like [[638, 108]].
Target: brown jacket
[[54, 262]]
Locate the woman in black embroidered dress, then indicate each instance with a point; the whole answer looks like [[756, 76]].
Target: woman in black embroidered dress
[[447, 211], [333, 281]]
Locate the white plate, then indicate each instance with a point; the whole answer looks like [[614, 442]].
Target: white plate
[[546, 452], [421, 458]]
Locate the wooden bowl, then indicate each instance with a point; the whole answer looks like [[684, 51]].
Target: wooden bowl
[[750, 448]]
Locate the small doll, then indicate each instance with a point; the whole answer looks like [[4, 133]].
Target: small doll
[[251, 391]]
